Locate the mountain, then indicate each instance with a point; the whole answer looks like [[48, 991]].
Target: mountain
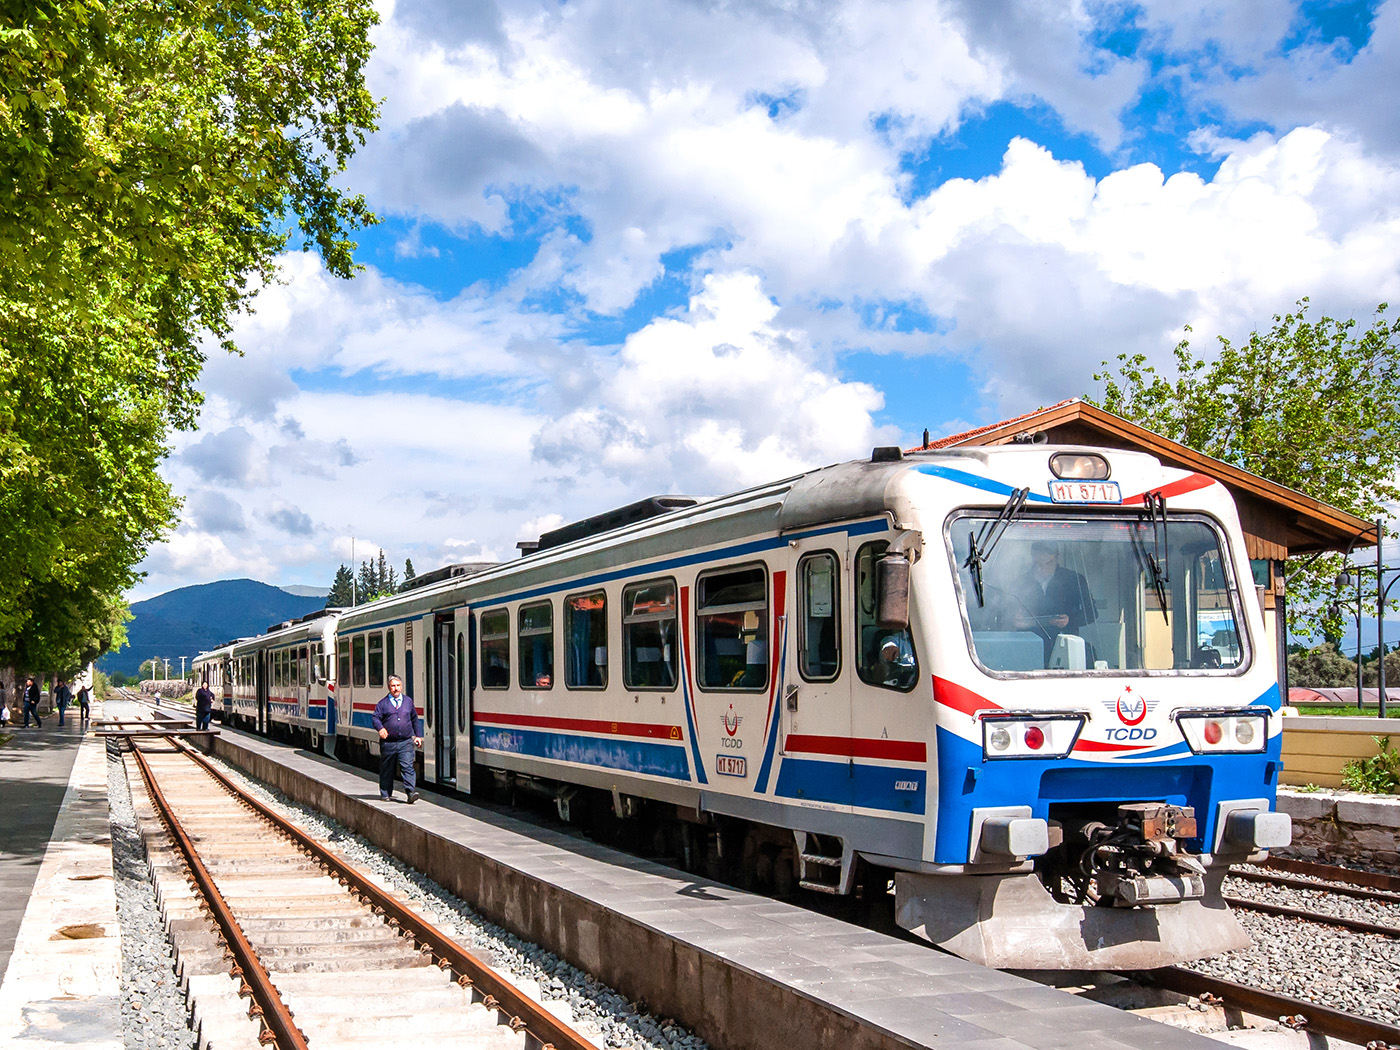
[[189, 620]]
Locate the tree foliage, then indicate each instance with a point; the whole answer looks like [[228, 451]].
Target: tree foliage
[[341, 594], [1313, 405], [155, 159]]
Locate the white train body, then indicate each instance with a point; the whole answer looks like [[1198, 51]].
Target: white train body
[[738, 660]]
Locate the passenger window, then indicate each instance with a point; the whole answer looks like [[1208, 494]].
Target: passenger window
[[389, 651], [302, 679], [649, 635], [495, 649], [343, 671], [884, 656], [731, 615], [586, 641], [819, 634], [376, 660], [537, 646], [359, 659]]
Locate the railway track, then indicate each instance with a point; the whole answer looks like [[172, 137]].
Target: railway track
[[278, 940]]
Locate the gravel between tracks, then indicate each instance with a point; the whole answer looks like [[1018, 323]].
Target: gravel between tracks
[[154, 1015], [1358, 973]]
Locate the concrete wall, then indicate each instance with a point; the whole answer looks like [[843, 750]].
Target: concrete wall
[[1315, 748], [1335, 826]]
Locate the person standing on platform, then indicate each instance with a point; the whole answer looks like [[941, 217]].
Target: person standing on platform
[[31, 702], [85, 704], [62, 697], [203, 705], [400, 733], [4, 708]]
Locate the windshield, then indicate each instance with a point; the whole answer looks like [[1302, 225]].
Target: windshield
[[1098, 594]]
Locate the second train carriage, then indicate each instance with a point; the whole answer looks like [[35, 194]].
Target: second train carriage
[[846, 672]]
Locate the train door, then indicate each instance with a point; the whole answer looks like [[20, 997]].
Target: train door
[[260, 677], [444, 699], [816, 700], [465, 681]]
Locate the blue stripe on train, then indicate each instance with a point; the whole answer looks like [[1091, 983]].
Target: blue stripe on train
[[846, 784], [658, 760]]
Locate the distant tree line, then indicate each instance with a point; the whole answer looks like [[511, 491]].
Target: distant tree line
[[1325, 667], [376, 579]]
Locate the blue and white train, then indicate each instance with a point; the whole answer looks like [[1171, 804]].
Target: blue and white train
[[1029, 685]]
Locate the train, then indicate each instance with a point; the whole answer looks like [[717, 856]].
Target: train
[[1026, 690]]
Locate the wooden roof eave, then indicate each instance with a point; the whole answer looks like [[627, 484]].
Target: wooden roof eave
[[1331, 528]]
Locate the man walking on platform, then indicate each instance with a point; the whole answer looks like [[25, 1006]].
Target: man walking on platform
[[203, 705], [62, 697], [400, 733], [31, 702]]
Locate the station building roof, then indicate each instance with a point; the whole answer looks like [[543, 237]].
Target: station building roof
[[1278, 522]]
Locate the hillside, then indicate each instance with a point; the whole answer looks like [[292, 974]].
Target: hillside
[[188, 620]]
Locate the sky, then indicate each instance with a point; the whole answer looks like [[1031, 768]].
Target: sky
[[683, 246]]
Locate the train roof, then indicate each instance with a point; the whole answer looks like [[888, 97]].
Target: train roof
[[855, 490]]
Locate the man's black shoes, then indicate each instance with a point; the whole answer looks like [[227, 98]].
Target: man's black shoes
[[412, 797]]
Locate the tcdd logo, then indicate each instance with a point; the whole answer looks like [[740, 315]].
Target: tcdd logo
[[1136, 733], [1132, 709]]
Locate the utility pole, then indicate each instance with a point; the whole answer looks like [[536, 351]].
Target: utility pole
[[182, 668], [354, 590]]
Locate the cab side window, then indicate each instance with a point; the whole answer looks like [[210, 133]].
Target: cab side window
[[884, 656]]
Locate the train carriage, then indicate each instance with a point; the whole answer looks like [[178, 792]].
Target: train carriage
[[1027, 684], [216, 668]]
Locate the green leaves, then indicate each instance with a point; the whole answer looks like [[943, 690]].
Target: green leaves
[[153, 156], [1314, 405]]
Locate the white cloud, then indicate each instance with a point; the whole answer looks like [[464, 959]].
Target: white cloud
[[715, 400]]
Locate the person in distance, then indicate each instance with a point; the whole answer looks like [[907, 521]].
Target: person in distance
[[400, 734], [203, 705]]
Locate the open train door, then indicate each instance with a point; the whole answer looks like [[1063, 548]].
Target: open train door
[[260, 675], [443, 700], [465, 671]]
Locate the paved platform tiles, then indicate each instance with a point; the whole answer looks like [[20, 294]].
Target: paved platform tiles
[[58, 913], [743, 970]]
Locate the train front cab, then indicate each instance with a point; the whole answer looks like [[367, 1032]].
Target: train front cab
[[1093, 782]]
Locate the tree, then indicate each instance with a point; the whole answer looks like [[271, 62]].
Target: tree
[[368, 585], [157, 158], [342, 589], [1313, 405], [408, 572], [1321, 667]]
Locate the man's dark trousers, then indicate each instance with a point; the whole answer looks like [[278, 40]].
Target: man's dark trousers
[[396, 754]]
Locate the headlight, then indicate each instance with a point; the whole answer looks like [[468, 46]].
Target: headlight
[[1030, 735], [1225, 732]]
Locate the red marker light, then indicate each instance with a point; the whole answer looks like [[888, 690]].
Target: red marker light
[[1214, 733], [1035, 738]]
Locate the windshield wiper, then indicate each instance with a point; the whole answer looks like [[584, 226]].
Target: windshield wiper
[[981, 545], [1157, 564]]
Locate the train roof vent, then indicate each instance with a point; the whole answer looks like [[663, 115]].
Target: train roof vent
[[643, 509], [447, 572], [278, 626]]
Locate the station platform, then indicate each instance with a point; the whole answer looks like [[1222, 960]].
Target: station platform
[[60, 943], [745, 972]]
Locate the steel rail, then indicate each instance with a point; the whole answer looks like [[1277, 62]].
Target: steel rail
[[1320, 918], [267, 1002], [1372, 879], [1323, 1020], [1348, 890], [499, 993]]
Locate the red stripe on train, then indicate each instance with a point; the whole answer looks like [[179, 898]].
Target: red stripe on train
[[1176, 488], [858, 747]]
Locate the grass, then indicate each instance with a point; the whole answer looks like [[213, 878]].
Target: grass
[[1351, 710]]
